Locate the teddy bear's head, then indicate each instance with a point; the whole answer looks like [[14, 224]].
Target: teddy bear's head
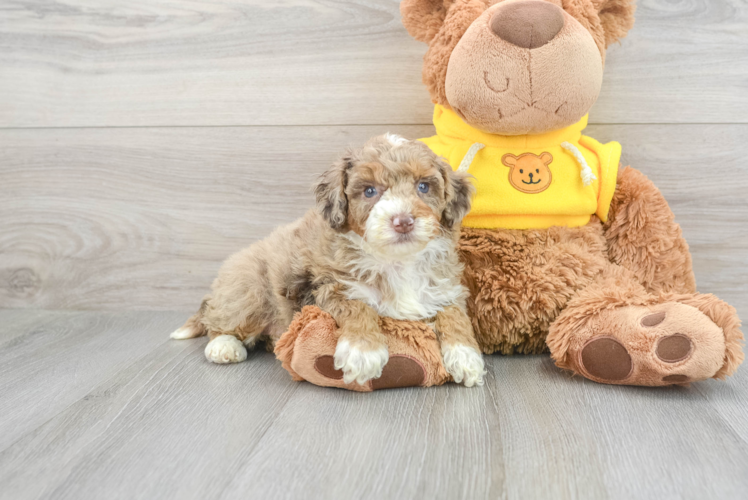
[[516, 66]]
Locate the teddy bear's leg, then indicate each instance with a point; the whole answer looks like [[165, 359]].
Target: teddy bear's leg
[[615, 332], [307, 351], [644, 238], [520, 281]]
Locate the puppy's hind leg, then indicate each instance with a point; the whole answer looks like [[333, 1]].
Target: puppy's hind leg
[[231, 347], [224, 346], [225, 349]]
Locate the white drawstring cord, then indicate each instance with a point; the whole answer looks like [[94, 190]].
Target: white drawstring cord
[[468, 158], [587, 175]]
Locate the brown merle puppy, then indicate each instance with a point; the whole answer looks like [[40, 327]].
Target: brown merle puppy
[[382, 241]]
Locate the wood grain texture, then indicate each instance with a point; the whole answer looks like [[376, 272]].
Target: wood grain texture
[[309, 62], [172, 425], [142, 218], [50, 360]]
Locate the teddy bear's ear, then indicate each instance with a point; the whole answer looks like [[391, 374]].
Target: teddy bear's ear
[[424, 18], [616, 17]]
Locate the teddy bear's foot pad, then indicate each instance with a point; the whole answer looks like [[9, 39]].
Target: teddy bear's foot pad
[[400, 371], [605, 358], [662, 344]]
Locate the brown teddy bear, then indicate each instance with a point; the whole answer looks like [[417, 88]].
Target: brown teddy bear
[[564, 250], [306, 351]]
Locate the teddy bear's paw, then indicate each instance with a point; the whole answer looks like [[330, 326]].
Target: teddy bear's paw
[[225, 349], [360, 363], [464, 363], [662, 344]]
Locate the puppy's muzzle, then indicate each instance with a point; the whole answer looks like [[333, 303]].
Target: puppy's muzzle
[[403, 223]]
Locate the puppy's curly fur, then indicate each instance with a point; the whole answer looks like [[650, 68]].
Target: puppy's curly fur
[[354, 257]]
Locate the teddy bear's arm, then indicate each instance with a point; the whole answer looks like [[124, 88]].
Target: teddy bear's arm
[[643, 236]]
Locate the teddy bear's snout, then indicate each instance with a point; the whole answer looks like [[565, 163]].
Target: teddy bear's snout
[[528, 24]]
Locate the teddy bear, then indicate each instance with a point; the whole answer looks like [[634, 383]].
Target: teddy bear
[[565, 250], [306, 351]]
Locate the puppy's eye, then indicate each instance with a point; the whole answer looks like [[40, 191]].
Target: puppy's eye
[[370, 191], [423, 187], [521, 171]]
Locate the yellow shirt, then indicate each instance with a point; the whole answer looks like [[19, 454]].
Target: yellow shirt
[[529, 181]]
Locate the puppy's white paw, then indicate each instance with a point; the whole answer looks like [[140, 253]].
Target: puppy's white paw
[[225, 349], [360, 364], [464, 363]]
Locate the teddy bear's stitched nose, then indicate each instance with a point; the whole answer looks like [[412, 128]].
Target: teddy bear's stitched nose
[[528, 24]]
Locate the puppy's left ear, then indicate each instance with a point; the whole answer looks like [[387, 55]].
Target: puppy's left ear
[[459, 191], [332, 202]]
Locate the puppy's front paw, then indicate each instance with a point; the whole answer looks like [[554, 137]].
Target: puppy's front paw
[[225, 349], [464, 363], [359, 363]]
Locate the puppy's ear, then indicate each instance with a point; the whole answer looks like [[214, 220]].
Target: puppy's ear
[[616, 17], [332, 202], [458, 190]]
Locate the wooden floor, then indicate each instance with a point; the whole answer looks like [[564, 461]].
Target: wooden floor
[[142, 142], [102, 405]]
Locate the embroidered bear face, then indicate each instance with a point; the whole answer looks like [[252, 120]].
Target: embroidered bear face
[[529, 172]]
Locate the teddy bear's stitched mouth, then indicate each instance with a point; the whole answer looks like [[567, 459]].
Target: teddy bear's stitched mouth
[[525, 182], [491, 87]]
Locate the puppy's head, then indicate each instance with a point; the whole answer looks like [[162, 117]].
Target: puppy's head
[[394, 193]]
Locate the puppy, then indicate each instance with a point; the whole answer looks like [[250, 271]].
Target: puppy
[[382, 241]]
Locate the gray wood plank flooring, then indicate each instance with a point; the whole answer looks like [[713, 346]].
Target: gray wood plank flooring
[[161, 422]]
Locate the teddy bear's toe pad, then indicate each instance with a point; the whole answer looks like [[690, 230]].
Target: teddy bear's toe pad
[[400, 371], [663, 344], [606, 358], [674, 348], [325, 366]]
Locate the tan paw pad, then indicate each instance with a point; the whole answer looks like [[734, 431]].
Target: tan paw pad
[[605, 358], [674, 348], [325, 366], [653, 319], [400, 371], [663, 344]]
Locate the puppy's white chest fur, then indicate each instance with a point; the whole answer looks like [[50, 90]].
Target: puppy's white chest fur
[[416, 289]]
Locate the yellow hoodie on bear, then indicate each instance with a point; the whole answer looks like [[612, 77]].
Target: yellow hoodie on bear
[[558, 178]]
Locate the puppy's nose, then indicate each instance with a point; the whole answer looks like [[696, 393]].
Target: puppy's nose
[[403, 223], [528, 24]]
